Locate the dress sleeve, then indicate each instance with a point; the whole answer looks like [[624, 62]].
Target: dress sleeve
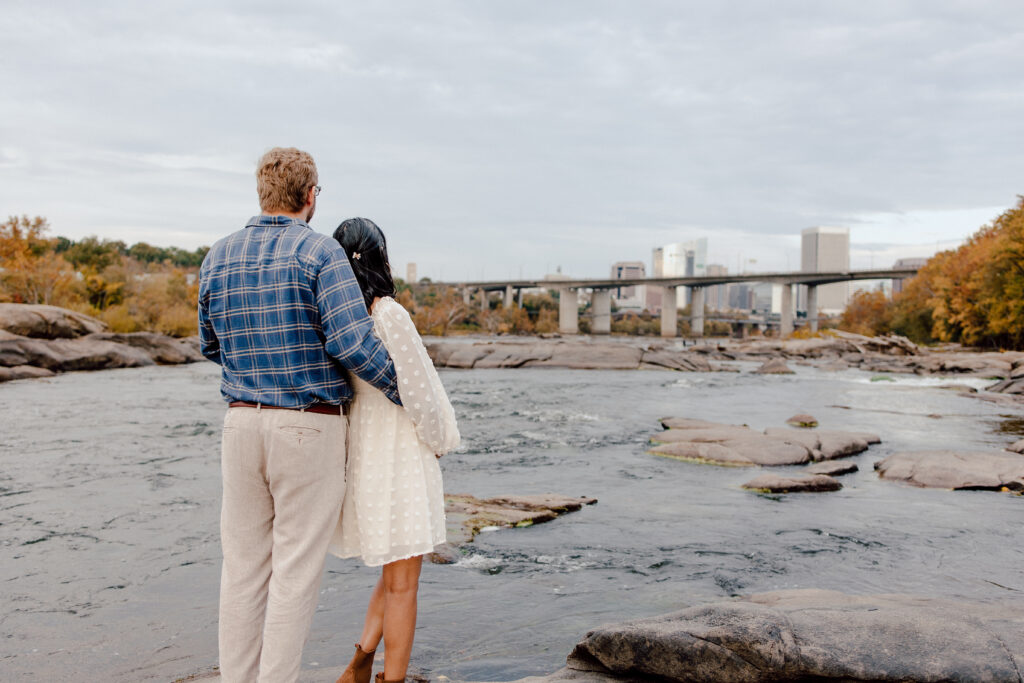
[[423, 396]]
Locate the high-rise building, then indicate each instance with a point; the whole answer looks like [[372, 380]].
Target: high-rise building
[[631, 296], [682, 259], [716, 297], [410, 273], [824, 250]]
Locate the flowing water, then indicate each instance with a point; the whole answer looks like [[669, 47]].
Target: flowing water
[[110, 485]]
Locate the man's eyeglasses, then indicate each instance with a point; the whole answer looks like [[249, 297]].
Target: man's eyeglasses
[[316, 190]]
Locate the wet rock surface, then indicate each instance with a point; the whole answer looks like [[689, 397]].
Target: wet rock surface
[[970, 470], [739, 445], [467, 516], [774, 483], [834, 468], [808, 635], [38, 341]]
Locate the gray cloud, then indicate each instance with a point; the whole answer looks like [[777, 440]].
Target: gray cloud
[[489, 137]]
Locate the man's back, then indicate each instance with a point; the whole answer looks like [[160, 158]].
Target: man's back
[[280, 310]]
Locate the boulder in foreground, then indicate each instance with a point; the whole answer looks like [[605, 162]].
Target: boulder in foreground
[[964, 470], [805, 635]]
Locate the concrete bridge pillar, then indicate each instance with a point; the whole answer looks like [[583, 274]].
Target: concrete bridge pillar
[[568, 311], [786, 321], [509, 296], [519, 296], [601, 305], [697, 311], [812, 307], [668, 311], [485, 301], [466, 296]]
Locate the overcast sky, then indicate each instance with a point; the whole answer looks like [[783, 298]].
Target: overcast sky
[[498, 138]]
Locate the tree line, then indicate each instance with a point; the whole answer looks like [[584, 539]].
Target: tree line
[[972, 295], [132, 288]]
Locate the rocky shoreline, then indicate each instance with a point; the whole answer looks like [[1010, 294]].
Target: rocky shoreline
[[833, 352], [41, 341]]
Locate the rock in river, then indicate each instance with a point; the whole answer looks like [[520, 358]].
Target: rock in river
[[709, 442], [805, 635], [803, 420], [466, 516], [774, 483], [992, 470], [832, 468], [775, 366]]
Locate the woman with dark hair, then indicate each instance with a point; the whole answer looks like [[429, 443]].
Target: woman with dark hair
[[393, 512]]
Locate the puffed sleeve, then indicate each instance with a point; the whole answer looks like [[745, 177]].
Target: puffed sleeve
[[423, 396]]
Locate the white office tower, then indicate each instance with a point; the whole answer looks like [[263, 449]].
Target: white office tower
[[410, 274], [631, 297], [827, 250], [682, 259]]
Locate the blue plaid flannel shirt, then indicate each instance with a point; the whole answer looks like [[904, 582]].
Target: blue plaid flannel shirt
[[281, 311]]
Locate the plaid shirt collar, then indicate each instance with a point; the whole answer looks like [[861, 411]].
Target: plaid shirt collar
[[264, 221]]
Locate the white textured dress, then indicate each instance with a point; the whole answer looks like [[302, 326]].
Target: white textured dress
[[394, 499]]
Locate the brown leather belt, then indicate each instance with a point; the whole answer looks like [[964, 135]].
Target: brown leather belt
[[321, 408]]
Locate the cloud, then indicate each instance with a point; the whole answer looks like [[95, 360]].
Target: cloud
[[500, 136]]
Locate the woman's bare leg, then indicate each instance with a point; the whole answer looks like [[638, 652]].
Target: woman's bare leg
[[373, 625], [401, 581]]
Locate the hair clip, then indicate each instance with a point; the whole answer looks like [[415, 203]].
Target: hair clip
[[356, 255]]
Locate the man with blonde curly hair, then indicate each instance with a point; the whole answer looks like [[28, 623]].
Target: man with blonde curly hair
[[280, 310]]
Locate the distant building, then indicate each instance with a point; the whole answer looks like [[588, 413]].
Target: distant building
[[632, 297], [716, 297], [897, 285], [822, 250], [410, 273], [683, 259]]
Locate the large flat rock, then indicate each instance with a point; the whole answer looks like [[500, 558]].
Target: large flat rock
[[994, 470], [709, 442], [808, 635], [466, 515]]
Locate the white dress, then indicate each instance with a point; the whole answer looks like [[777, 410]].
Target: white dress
[[394, 499]]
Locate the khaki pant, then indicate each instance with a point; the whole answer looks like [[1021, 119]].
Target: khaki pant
[[284, 480]]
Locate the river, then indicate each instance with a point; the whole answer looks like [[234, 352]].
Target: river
[[110, 486]]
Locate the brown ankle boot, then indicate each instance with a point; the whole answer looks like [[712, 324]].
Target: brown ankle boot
[[360, 668], [380, 679]]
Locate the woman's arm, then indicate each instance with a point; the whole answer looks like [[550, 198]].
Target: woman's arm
[[423, 396]]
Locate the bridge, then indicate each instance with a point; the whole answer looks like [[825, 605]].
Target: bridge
[[601, 295]]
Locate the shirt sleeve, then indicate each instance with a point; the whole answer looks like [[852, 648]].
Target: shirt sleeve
[[348, 328], [209, 345], [423, 396]]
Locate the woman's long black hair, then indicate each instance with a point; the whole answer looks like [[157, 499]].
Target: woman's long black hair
[[367, 251]]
